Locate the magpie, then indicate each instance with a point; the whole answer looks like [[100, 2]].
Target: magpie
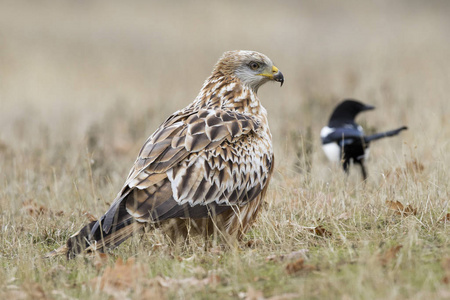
[[343, 140]]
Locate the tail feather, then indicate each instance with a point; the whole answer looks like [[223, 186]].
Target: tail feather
[[92, 237], [114, 239], [114, 212], [114, 217], [377, 136], [78, 242]]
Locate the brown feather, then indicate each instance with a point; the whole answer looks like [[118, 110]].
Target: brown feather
[[210, 162]]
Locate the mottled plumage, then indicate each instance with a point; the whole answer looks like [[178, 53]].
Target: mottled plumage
[[208, 164]]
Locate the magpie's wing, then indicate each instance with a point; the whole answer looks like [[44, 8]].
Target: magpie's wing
[[381, 135], [344, 136]]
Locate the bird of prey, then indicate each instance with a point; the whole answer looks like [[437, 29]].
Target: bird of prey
[[343, 140], [206, 168]]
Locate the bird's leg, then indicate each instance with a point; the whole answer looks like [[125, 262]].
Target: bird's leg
[[363, 170], [345, 165]]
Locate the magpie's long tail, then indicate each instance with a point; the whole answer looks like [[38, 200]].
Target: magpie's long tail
[[377, 136]]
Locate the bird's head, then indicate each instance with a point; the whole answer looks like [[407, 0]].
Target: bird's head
[[253, 69], [347, 110]]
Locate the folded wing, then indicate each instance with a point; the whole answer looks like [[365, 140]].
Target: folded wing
[[195, 164]]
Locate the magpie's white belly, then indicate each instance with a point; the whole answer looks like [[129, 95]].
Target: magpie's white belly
[[326, 131], [332, 151], [366, 153]]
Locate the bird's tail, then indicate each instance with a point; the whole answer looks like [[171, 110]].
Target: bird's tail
[[377, 136], [93, 238]]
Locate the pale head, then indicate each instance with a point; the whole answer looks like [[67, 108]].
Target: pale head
[[253, 69]]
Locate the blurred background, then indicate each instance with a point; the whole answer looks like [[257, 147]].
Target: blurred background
[[93, 79]]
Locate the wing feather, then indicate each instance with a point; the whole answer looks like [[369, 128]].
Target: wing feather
[[201, 158]]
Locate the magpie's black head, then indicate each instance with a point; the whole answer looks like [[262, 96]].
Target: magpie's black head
[[346, 111]]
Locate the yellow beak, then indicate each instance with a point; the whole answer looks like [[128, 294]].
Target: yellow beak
[[275, 74]]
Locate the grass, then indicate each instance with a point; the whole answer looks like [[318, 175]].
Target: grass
[[77, 101]]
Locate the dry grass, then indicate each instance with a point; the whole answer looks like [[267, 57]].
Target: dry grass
[[82, 84]]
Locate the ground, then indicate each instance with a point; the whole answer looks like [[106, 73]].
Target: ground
[[83, 84]]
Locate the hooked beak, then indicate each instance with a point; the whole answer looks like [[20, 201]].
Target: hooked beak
[[275, 75]]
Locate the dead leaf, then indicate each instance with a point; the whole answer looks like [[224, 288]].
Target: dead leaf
[[35, 291], [297, 266], [398, 208], [412, 167], [100, 260], [389, 255], [446, 279], [31, 208], [120, 279], [446, 218], [320, 231]]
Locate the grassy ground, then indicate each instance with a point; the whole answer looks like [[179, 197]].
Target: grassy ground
[[82, 85]]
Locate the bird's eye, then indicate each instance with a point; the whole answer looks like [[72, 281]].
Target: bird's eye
[[253, 65]]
